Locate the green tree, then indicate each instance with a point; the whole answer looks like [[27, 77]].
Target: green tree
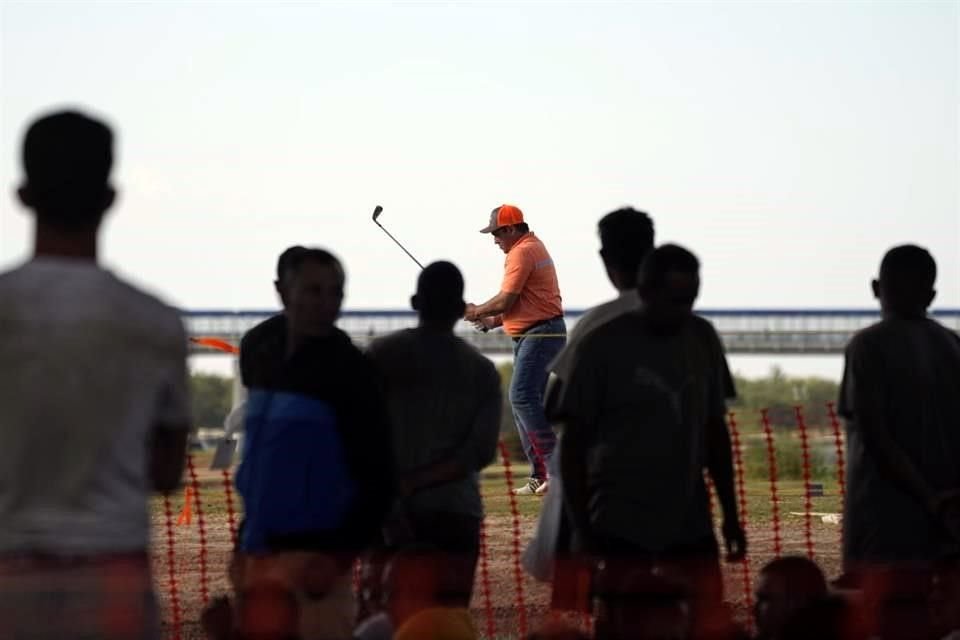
[[212, 397], [780, 394]]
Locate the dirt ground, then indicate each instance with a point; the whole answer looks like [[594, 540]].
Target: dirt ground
[[504, 590]]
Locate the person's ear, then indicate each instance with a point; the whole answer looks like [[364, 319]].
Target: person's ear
[[461, 309], [875, 287], [109, 198], [414, 302], [930, 297], [24, 196]]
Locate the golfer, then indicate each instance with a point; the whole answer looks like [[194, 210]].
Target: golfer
[[529, 310]]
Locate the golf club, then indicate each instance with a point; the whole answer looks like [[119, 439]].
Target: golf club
[[376, 214]]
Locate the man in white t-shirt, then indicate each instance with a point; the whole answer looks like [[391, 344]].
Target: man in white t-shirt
[[95, 416]]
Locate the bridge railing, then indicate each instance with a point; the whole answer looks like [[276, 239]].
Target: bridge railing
[[743, 331]]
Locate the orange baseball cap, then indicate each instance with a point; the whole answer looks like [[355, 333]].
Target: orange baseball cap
[[503, 216]]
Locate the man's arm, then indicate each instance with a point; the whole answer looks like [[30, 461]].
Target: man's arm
[[495, 306], [576, 405], [168, 438], [477, 450], [863, 387], [168, 454], [573, 474], [517, 269], [720, 468], [719, 453]]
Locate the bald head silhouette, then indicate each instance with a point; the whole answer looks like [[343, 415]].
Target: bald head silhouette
[[439, 296]]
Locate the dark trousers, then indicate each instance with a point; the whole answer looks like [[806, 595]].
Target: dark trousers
[[432, 563], [682, 585]]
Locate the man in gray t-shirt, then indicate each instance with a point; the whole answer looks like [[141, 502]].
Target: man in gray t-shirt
[[900, 397], [445, 403], [644, 415]]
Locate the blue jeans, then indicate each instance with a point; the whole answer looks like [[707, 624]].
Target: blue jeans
[[531, 356]]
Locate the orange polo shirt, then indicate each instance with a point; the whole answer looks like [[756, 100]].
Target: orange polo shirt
[[529, 272]]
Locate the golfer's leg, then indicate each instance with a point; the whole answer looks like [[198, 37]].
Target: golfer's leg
[[522, 432], [526, 396]]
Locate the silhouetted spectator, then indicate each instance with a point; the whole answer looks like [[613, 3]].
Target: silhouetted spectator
[[94, 407], [644, 412], [445, 403], [900, 396], [529, 308], [626, 237], [272, 330], [234, 421], [317, 476], [784, 586]]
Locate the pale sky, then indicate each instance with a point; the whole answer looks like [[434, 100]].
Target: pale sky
[[788, 144]]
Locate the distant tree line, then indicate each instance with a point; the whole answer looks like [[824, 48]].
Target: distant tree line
[[212, 398], [777, 392]]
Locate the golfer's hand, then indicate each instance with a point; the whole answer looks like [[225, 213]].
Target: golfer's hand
[[484, 324], [470, 313], [735, 540]]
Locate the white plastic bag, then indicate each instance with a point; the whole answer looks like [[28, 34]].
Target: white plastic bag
[[540, 555]]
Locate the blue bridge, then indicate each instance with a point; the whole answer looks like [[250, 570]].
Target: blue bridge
[[743, 331]]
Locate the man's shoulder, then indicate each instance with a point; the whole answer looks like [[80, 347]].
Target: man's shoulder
[[704, 327], [530, 247], [874, 337], [704, 331], [607, 311], [107, 288], [400, 339], [344, 350], [141, 309], [272, 326], [620, 329]]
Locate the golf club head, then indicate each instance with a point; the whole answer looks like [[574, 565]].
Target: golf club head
[[376, 212]]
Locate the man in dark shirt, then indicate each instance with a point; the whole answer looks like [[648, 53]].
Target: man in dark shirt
[[271, 328], [900, 397], [445, 402], [644, 415], [317, 478]]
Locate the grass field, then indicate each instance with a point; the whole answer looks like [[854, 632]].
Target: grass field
[[200, 562]]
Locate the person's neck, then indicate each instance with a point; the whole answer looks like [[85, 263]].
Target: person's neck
[[431, 325], [54, 242], [897, 314]]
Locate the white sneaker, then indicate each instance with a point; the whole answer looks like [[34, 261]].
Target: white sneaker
[[542, 489], [529, 489]]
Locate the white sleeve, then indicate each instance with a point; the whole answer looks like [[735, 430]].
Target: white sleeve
[[233, 423]]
